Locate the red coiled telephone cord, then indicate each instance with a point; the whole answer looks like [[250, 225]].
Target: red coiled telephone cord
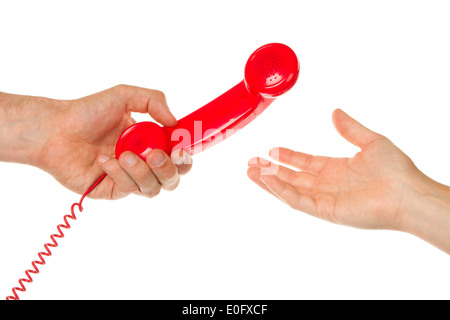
[[54, 243]]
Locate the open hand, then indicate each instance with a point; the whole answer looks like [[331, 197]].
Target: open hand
[[365, 191]]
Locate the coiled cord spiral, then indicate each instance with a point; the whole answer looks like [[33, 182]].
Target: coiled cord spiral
[[54, 243]]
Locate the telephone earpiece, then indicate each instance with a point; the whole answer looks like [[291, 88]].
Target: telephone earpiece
[[269, 72]]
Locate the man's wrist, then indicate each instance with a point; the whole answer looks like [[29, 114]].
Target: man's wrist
[[26, 122]]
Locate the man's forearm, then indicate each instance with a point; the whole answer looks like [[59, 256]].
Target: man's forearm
[[24, 127]]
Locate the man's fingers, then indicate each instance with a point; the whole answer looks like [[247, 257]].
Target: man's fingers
[[164, 169], [139, 171], [182, 160], [123, 183], [148, 101]]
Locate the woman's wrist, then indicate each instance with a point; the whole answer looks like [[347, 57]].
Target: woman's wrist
[[427, 212], [26, 123]]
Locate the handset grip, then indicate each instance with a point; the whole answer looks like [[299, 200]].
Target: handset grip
[[201, 129], [217, 120]]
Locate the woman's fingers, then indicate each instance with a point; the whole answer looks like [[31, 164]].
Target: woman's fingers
[[289, 194], [303, 180], [293, 188], [299, 160], [254, 173], [353, 131]]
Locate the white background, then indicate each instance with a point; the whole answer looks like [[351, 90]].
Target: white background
[[218, 236]]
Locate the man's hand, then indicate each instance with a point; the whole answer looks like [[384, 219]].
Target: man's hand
[[75, 141]]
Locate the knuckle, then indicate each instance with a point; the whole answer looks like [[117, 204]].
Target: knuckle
[[159, 94], [172, 186], [140, 175], [132, 189], [151, 193], [309, 162], [120, 87], [112, 168]]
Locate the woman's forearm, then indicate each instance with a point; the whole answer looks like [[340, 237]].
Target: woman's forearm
[[428, 213], [25, 125]]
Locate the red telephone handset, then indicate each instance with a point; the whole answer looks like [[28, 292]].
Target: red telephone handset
[[269, 72]]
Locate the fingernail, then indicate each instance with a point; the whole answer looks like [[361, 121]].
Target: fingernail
[[130, 160], [158, 159], [103, 158], [275, 153], [274, 150], [261, 162], [253, 161], [180, 157]]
